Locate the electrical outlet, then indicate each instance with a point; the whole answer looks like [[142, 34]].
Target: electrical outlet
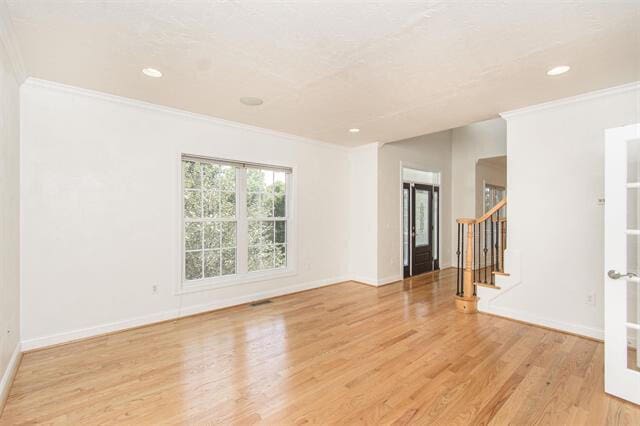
[[154, 289], [590, 299]]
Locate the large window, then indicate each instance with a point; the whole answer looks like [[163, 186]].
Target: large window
[[235, 221], [492, 195]]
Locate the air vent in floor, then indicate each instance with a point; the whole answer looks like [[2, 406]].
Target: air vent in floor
[[260, 302]]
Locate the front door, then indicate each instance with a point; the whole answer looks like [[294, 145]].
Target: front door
[[422, 228], [622, 263]]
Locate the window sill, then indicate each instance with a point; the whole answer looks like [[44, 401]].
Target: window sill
[[233, 280]]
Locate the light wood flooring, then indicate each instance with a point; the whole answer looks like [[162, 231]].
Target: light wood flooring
[[343, 354]]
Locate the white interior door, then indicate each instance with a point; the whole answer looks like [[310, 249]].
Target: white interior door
[[622, 262]]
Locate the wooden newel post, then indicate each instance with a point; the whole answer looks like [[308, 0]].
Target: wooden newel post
[[467, 303], [468, 264]]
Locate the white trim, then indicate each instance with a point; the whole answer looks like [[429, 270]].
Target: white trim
[[595, 333], [83, 333], [632, 326], [235, 163], [242, 276], [389, 280], [414, 166], [364, 280], [573, 99], [74, 90], [10, 42], [9, 374], [233, 280], [374, 282]]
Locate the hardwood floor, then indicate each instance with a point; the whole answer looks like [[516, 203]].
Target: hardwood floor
[[342, 354]]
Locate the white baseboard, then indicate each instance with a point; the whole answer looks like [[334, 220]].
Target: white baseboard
[[488, 297], [389, 280], [376, 282], [373, 282], [9, 374], [592, 332], [84, 333]]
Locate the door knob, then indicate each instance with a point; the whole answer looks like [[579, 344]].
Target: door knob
[[614, 275]]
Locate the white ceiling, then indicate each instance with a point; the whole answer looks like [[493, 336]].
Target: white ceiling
[[395, 69]]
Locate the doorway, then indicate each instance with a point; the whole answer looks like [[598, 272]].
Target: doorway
[[421, 226]]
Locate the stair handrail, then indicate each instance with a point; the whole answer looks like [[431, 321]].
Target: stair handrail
[[500, 204], [476, 236]]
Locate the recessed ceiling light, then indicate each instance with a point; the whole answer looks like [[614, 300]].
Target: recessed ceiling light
[[558, 70], [354, 130], [151, 72], [251, 101]]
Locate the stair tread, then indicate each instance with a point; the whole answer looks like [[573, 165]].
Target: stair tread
[[487, 285], [504, 274]]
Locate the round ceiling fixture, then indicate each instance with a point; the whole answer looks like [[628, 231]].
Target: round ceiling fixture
[[251, 101], [151, 72], [558, 70], [354, 130]]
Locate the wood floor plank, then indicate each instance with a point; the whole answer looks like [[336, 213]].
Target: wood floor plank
[[342, 354]]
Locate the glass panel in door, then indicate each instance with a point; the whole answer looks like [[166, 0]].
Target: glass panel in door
[[422, 217], [633, 255], [405, 226], [422, 223]]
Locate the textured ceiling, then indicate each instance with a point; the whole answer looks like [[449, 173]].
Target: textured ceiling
[[395, 69]]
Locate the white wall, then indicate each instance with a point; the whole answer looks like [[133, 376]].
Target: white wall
[[555, 221], [100, 210], [363, 214], [470, 143], [429, 153], [9, 213]]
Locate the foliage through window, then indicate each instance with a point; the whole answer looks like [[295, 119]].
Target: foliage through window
[[224, 236], [267, 219], [209, 220]]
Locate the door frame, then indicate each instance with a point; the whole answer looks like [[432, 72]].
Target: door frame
[[435, 249], [406, 270], [619, 380], [437, 245]]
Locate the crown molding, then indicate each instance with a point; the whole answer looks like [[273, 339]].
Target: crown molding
[[65, 88], [9, 41], [573, 99]]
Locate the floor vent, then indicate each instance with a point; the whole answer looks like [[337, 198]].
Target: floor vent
[[260, 302]]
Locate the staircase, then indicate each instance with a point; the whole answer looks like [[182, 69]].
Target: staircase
[[481, 245]]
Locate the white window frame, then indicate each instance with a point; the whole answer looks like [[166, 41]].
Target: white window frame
[[242, 275]]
